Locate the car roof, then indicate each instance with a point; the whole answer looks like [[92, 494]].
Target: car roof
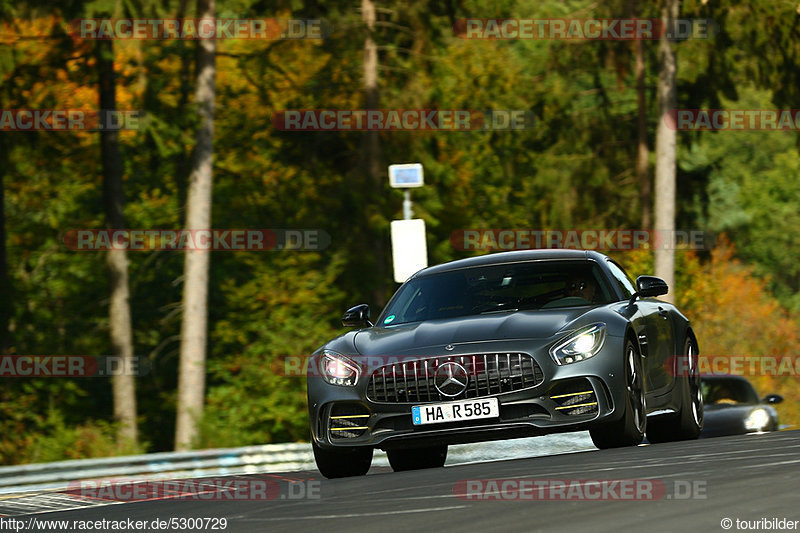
[[499, 258]]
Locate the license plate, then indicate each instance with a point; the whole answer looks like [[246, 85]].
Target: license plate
[[438, 413]]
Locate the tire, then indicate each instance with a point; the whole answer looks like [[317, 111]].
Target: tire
[[417, 458], [629, 430], [688, 423], [346, 462]]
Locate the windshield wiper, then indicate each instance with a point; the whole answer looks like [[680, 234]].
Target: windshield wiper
[[494, 307]]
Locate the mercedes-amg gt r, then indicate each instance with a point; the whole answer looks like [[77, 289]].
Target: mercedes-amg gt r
[[499, 346]]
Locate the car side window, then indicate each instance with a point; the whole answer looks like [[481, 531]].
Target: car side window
[[624, 282]]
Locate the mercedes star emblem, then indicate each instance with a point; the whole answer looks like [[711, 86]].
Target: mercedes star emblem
[[451, 379]]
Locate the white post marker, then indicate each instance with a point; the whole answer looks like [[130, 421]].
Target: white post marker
[[409, 249]]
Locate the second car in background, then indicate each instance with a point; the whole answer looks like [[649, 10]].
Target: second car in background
[[732, 407]]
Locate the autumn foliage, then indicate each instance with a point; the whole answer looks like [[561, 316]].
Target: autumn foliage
[[734, 315]]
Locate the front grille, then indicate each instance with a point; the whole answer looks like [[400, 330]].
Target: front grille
[[348, 421], [487, 374], [575, 397]]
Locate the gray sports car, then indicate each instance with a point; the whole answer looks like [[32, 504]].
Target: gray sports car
[[734, 408], [499, 346]]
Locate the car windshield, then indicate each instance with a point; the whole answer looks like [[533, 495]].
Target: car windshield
[[728, 391], [497, 289]]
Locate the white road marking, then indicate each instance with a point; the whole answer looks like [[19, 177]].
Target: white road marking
[[350, 515]]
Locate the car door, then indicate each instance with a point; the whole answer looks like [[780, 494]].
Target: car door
[[657, 330], [653, 327]]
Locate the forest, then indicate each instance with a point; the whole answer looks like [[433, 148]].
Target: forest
[[583, 159]]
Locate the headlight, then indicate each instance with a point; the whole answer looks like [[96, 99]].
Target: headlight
[[337, 369], [758, 420], [582, 345]]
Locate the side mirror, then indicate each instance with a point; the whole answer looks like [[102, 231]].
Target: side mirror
[[357, 317], [772, 399], [648, 286], [651, 286]]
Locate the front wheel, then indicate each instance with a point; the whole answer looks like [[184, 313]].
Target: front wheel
[[629, 429], [417, 458], [346, 462]]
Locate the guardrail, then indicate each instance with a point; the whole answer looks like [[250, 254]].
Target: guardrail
[[266, 458], [197, 463]]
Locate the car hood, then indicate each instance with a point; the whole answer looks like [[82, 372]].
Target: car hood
[[409, 338], [719, 416], [721, 419], [740, 409]]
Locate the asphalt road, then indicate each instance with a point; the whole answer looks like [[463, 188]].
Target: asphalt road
[[697, 485]]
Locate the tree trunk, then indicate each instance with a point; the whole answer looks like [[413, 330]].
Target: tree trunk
[[121, 331], [642, 152], [192, 372], [665, 153], [6, 299], [182, 160], [370, 83], [371, 153]]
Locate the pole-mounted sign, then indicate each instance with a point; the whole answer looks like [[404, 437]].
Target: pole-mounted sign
[[406, 176], [409, 250]]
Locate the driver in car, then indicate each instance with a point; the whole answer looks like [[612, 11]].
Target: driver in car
[[723, 395], [582, 287]]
